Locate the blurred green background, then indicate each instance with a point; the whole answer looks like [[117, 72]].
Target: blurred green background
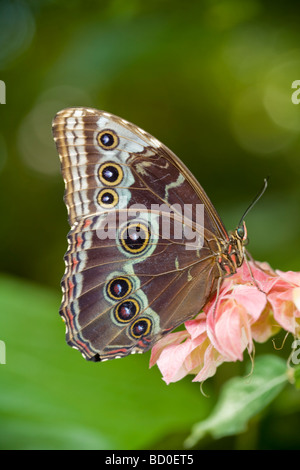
[[212, 80]]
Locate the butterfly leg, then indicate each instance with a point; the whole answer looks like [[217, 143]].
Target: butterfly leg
[[217, 296], [247, 254]]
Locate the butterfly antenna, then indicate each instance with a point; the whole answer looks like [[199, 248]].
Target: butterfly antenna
[[257, 198]]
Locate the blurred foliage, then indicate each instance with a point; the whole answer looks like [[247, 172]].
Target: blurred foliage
[[241, 398], [212, 80]]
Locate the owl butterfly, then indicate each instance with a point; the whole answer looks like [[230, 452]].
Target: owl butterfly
[[128, 281]]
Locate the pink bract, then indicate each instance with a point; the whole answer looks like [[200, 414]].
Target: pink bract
[[253, 304]]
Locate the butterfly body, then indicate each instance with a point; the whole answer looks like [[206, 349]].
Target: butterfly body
[[141, 260]]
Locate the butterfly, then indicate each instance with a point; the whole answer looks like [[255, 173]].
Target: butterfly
[[128, 281]]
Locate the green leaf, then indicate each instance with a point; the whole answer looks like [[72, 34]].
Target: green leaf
[[242, 398], [295, 376]]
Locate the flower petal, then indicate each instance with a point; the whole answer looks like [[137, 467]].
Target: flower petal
[[212, 359], [230, 330], [197, 326], [171, 361], [252, 299], [171, 338], [291, 277], [285, 311], [265, 326], [296, 297]]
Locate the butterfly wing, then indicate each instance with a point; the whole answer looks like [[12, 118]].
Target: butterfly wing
[[127, 282]]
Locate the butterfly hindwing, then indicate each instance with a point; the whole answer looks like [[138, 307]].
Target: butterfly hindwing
[[109, 293]]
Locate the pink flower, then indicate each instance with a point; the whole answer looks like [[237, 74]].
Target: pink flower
[[252, 305], [285, 301], [186, 352]]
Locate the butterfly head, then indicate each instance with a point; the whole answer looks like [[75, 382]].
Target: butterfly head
[[241, 233], [237, 240]]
